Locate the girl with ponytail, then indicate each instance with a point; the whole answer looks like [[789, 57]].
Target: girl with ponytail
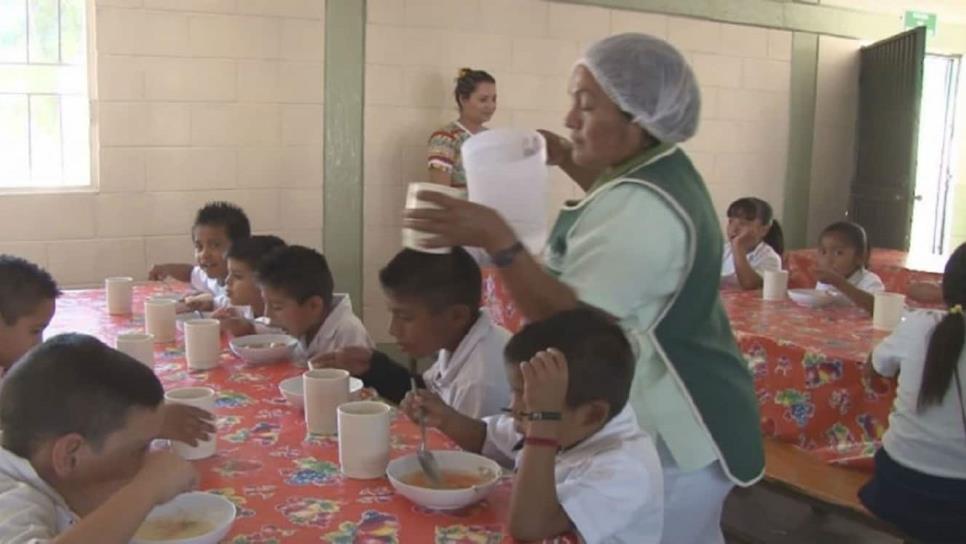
[[920, 472], [755, 243]]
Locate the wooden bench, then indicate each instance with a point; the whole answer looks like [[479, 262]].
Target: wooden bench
[[827, 488]]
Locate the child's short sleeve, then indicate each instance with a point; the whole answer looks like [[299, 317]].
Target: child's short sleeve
[[442, 150], [501, 440], [614, 495], [888, 356], [26, 516], [199, 280], [766, 259], [871, 282]]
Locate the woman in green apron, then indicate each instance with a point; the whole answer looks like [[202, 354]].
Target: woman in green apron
[[644, 245]]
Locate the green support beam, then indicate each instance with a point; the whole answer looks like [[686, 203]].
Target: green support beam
[[798, 175], [345, 59]]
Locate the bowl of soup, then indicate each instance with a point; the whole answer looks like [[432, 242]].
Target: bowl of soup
[[466, 478], [260, 349], [190, 518], [294, 393]]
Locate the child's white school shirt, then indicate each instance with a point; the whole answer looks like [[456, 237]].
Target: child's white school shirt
[[472, 379], [865, 280], [341, 329], [932, 441], [200, 281], [31, 511], [762, 258], [610, 484]]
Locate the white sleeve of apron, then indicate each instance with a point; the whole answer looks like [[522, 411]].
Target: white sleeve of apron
[[628, 247]]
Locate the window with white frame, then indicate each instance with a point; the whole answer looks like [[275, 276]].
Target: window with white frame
[[44, 106]]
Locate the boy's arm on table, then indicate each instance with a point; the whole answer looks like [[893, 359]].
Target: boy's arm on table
[[376, 370], [468, 433]]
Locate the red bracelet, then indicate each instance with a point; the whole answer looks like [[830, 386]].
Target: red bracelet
[[536, 441]]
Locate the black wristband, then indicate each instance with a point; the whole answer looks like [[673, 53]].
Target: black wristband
[[504, 257]]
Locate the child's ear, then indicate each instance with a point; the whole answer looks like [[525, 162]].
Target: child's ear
[[65, 454], [595, 413], [316, 304], [460, 314]]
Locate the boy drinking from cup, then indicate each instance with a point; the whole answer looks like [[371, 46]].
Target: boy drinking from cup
[[582, 463], [435, 305], [242, 289], [297, 287], [79, 419], [217, 226]]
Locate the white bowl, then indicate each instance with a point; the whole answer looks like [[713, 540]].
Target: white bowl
[[294, 393], [250, 350], [448, 460], [216, 510], [813, 298]]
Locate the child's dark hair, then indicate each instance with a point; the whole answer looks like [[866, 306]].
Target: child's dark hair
[[946, 343], [252, 250], [756, 209], [227, 215], [439, 280], [299, 272], [466, 83], [853, 234], [72, 383], [23, 285], [599, 357]]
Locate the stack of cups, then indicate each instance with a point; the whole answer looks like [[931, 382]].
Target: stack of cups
[[324, 390], [414, 239], [199, 397], [364, 439], [138, 345], [120, 293], [887, 311], [159, 318], [202, 343], [774, 285]]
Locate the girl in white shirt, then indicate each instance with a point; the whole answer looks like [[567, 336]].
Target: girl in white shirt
[[843, 253], [755, 243], [920, 474]]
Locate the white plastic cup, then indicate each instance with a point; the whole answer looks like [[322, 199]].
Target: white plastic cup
[[120, 294], [774, 285], [324, 390], [139, 345], [414, 239], [364, 439], [202, 343], [159, 319], [199, 397], [506, 169], [887, 311]]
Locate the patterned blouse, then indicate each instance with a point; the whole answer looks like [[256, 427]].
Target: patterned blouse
[[444, 151]]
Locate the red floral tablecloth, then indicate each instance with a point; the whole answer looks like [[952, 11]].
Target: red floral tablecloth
[[808, 366], [287, 486], [896, 268]]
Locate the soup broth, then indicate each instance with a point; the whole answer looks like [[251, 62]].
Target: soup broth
[[173, 529], [267, 345], [452, 479]]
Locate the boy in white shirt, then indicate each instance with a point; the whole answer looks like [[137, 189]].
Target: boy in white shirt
[[755, 244], [79, 418], [216, 227], [582, 462], [843, 252], [435, 304], [246, 315], [297, 287]]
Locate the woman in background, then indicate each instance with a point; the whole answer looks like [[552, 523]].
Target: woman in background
[[475, 95]]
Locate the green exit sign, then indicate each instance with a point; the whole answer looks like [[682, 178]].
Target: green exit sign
[[921, 18]]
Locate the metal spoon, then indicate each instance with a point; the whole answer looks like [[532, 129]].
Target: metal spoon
[[427, 461]]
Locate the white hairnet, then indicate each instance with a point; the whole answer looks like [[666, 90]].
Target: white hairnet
[[650, 80]]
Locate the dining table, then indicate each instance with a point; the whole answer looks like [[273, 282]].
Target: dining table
[[897, 269], [287, 484]]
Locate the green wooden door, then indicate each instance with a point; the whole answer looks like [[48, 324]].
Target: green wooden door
[[890, 87]]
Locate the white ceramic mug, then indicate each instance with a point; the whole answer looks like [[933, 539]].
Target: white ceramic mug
[[324, 390], [887, 311], [159, 318], [202, 343], [774, 285], [120, 293], [199, 397], [139, 345], [414, 239], [364, 439]]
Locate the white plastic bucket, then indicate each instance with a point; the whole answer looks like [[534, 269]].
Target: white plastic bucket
[[506, 169]]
